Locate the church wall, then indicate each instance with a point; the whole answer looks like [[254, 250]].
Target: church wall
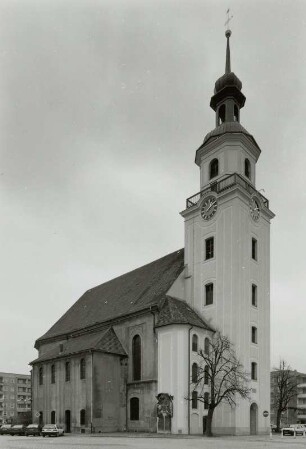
[[60, 396], [108, 395], [175, 359]]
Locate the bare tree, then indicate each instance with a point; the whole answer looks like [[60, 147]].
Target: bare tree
[[219, 377], [284, 389]]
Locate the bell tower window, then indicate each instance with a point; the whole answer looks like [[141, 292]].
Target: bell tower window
[[236, 113], [221, 114], [247, 168], [213, 168]]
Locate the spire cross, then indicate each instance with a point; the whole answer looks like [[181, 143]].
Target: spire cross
[[229, 18]]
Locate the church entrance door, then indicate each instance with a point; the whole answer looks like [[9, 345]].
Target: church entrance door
[[253, 419], [67, 421]]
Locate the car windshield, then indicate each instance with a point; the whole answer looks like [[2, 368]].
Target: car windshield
[[6, 426], [18, 426], [32, 426], [49, 426]]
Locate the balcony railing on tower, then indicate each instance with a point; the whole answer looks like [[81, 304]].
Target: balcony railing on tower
[[225, 183]]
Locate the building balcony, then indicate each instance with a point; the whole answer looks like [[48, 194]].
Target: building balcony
[[302, 416], [301, 386], [224, 183]]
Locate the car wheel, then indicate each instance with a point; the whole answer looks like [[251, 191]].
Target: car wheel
[[44, 436]]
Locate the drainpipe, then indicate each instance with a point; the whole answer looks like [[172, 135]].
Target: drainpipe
[[189, 379], [91, 390]]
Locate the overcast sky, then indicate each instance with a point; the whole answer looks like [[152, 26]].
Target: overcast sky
[[103, 104]]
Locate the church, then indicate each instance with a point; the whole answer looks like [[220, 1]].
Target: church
[[120, 359]]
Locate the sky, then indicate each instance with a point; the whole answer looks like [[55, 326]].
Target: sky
[[103, 104]]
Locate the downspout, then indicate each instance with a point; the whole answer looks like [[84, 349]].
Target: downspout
[[91, 393], [189, 379]]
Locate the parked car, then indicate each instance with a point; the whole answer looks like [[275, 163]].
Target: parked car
[[52, 430], [33, 429], [17, 429], [5, 429], [299, 429]]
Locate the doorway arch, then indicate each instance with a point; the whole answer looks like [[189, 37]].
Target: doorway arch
[[253, 419], [67, 421]]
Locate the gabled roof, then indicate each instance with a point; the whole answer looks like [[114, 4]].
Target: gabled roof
[[124, 295], [107, 342], [175, 311]]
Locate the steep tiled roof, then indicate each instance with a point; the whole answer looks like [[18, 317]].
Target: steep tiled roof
[[105, 342], [175, 311], [121, 296]]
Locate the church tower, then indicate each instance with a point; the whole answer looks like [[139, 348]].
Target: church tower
[[227, 250]]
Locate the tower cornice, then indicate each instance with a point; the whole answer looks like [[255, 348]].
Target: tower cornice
[[214, 140]]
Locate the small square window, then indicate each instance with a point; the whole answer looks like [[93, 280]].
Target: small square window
[[254, 249], [209, 248], [254, 334], [254, 295]]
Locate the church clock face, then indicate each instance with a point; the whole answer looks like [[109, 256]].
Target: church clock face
[[254, 209], [209, 207]]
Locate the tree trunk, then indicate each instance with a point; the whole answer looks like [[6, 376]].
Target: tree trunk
[[278, 419], [209, 422]]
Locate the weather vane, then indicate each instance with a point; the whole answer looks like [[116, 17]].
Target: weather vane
[[229, 18]]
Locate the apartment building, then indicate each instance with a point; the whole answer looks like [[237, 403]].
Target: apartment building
[[15, 397]]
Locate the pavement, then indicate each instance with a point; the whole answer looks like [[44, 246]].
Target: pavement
[[151, 441]]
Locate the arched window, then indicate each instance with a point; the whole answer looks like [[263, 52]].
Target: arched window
[[134, 409], [236, 113], [82, 369], [221, 114], [206, 401], [194, 373], [194, 399], [209, 294], [206, 346], [67, 371], [82, 417], [53, 374], [195, 343], [41, 375], [206, 377], [247, 168], [53, 417], [213, 168], [254, 371], [136, 356]]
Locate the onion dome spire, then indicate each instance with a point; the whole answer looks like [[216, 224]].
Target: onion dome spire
[[228, 98]]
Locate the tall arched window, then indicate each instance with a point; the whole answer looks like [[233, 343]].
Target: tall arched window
[[67, 371], [206, 377], [82, 369], [213, 168], [53, 374], [206, 346], [194, 373], [194, 399], [134, 409], [82, 417], [195, 343], [53, 417], [206, 401], [247, 168], [41, 375], [136, 356], [221, 115]]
